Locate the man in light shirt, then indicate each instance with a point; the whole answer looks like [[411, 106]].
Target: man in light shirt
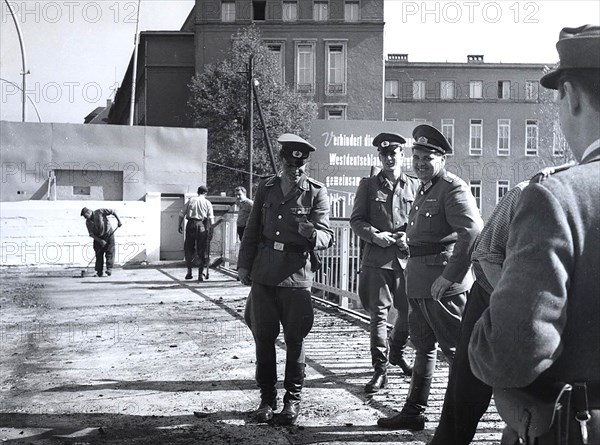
[[200, 218]]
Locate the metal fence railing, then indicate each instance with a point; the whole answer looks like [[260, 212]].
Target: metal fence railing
[[338, 277]]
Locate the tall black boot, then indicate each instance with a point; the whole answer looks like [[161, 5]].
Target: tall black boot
[[268, 404], [396, 356], [266, 378], [378, 381], [293, 382], [412, 415]]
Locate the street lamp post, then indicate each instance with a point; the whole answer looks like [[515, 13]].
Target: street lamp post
[[24, 70], [134, 67], [37, 112], [250, 124]]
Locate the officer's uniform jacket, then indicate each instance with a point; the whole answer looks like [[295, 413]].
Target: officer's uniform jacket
[[381, 207], [272, 249], [543, 323], [445, 219]]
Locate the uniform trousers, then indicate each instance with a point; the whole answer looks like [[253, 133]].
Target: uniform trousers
[[195, 242], [266, 308], [467, 398], [432, 322], [378, 289], [108, 251]]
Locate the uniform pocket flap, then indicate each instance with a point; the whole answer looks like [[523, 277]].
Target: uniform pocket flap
[[300, 210], [430, 211]]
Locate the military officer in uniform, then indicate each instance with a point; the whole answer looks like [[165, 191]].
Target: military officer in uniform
[[379, 217], [442, 226], [540, 336], [289, 221]]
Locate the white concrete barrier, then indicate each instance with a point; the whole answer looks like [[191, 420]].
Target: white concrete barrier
[[47, 233]]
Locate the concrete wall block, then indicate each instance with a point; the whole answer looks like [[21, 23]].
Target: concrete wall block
[[54, 233]]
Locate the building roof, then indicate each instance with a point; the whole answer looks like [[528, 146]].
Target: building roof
[[99, 115]]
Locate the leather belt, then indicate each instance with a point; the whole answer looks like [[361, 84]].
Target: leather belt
[[428, 249], [276, 245]]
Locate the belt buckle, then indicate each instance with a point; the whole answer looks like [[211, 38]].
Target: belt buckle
[[278, 246]]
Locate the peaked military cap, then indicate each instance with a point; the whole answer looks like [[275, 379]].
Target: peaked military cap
[[388, 141], [292, 143], [578, 48], [429, 138], [85, 209]]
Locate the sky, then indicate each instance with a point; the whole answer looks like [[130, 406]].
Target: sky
[[77, 51]]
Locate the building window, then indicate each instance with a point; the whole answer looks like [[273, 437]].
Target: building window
[[336, 113], [532, 88], [531, 137], [559, 143], [476, 137], [476, 89], [276, 50], [448, 130], [502, 187], [336, 68], [391, 88], [82, 190], [290, 11], [351, 11], [228, 12], [447, 89], [503, 137], [258, 10], [419, 90], [305, 68], [504, 89], [476, 191], [320, 11]]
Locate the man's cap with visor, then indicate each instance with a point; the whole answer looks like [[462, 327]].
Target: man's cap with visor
[[295, 149], [388, 142], [429, 138]]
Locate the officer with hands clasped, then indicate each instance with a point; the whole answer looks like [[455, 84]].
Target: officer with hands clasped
[[289, 221], [443, 224], [379, 217]]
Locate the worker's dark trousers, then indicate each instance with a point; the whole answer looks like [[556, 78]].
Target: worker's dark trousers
[[107, 251], [195, 242]]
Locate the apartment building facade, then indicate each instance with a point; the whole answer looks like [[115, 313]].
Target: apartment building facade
[[500, 122], [329, 50]]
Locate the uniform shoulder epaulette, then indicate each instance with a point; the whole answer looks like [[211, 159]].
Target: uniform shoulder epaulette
[[450, 177], [315, 182], [546, 172]]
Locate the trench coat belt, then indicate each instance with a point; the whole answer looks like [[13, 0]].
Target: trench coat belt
[[275, 245], [427, 249]]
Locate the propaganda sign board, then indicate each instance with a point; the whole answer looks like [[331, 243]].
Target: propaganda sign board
[[345, 154]]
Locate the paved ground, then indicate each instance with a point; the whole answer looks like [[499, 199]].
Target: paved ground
[[144, 357]]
